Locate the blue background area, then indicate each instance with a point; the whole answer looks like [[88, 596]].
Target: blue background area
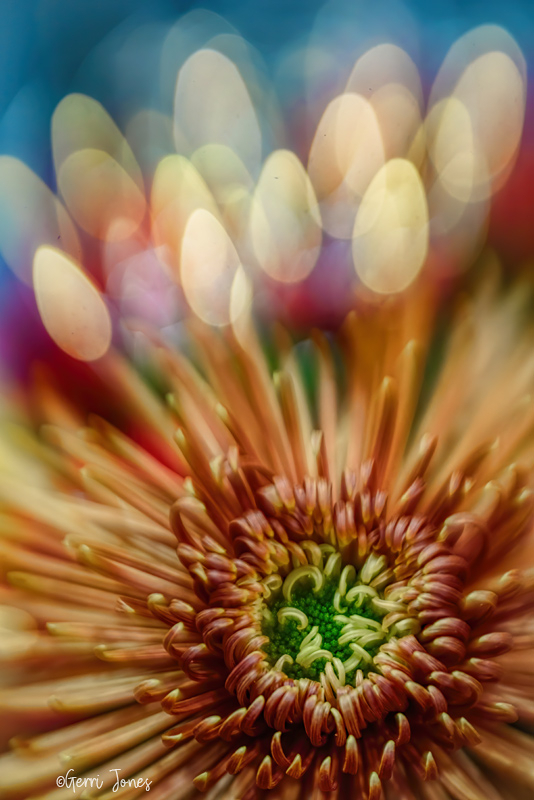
[[45, 45], [51, 47]]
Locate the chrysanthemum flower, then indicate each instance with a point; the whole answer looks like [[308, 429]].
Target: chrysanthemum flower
[[304, 575], [327, 604]]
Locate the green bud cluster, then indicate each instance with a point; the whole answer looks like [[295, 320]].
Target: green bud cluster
[[286, 638]]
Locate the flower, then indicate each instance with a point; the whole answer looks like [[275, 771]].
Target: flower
[[300, 574], [340, 613]]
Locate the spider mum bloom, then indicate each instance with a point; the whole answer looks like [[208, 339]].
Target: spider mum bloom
[[303, 577], [336, 599]]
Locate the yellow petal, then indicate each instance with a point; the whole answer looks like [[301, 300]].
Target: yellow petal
[[72, 310], [391, 231], [103, 199], [212, 105], [208, 266], [285, 225], [30, 215], [346, 153], [81, 123], [177, 191]]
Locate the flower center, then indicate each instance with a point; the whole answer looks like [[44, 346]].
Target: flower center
[[328, 618]]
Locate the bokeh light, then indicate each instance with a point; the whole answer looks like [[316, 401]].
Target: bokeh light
[[390, 240], [208, 266], [285, 224], [382, 138], [72, 310]]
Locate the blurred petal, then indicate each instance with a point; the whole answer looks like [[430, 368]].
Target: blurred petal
[[100, 195], [71, 308], [208, 265], [390, 241], [346, 153], [177, 191], [212, 106], [284, 220], [30, 215]]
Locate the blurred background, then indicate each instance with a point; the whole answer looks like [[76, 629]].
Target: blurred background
[[294, 59]]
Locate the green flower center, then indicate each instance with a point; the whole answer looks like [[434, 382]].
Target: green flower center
[[326, 618]]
